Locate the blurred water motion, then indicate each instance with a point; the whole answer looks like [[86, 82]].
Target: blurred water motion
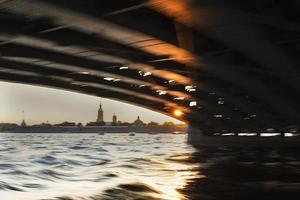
[[143, 167], [89, 166]]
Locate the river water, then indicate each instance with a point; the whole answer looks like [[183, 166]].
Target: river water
[[144, 166]]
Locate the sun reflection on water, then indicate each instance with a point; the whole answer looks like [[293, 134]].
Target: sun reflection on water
[[169, 186], [87, 166]]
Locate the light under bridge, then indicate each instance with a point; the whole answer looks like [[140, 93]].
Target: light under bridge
[[229, 66]]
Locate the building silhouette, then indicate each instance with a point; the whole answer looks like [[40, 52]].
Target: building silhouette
[[114, 119], [100, 114], [23, 123], [138, 122]]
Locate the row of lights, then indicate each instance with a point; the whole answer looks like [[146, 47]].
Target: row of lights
[[176, 112]]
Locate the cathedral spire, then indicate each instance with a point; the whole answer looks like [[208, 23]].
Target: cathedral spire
[[23, 119], [114, 119], [100, 114]]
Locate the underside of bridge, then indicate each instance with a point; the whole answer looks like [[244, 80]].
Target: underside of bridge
[[226, 65]]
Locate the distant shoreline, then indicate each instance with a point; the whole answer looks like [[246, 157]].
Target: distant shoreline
[[95, 129]]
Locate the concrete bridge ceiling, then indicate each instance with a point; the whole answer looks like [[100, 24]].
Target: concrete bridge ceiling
[[228, 65]]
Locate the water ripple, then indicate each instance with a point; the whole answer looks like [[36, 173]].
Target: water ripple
[[88, 166]]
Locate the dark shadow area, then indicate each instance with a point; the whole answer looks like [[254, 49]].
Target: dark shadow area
[[246, 174]]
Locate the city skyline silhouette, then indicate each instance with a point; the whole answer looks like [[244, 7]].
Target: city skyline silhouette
[[43, 104]]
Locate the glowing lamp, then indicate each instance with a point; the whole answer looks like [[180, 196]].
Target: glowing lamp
[[178, 113]]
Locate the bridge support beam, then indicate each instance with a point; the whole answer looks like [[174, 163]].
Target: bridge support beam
[[193, 135]]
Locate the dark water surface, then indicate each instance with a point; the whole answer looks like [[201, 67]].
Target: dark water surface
[[144, 166]]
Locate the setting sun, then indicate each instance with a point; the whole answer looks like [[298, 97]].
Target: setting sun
[[178, 113]]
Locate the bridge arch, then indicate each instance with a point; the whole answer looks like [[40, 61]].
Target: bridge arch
[[218, 68]]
